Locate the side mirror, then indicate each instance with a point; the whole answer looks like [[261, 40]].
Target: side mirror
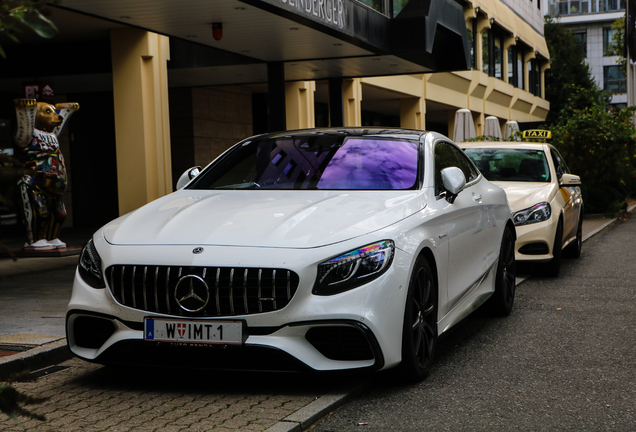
[[570, 180], [454, 181], [188, 175]]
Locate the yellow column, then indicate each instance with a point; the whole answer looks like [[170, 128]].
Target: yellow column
[[544, 67], [530, 55], [299, 104], [352, 95], [412, 113], [142, 131]]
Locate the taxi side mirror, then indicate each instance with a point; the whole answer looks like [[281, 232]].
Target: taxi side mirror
[[570, 180], [188, 175]]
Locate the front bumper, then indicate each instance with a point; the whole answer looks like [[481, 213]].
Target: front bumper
[[535, 242], [357, 329]]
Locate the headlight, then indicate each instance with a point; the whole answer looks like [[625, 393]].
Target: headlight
[[90, 266], [354, 268], [538, 213]]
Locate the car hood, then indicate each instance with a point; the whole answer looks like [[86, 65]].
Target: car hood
[[522, 195], [292, 219]]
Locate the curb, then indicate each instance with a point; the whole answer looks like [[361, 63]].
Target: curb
[[34, 359], [305, 417]]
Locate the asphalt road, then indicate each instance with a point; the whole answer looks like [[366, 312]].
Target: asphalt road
[[565, 360]]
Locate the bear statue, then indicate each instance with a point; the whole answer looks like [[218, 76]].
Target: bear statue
[[41, 191]]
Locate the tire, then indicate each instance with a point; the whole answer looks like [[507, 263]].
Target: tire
[[573, 250], [419, 332], [553, 268], [501, 301]]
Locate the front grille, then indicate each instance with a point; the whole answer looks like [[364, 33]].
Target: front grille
[[231, 291]]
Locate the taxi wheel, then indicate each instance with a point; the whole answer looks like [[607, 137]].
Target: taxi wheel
[[419, 332], [553, 268], [501, 301], [573, 250]]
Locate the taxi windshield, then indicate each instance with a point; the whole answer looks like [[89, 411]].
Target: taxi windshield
[[310, 162], [520, 165]]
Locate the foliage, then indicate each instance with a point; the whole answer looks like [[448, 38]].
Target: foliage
[[599, 146], [617, 44], [17, 14], [11, 400], [567, 67]]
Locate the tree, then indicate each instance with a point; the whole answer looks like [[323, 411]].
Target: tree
[[567, 67], [617, 44], [15, 15], [599, 146]]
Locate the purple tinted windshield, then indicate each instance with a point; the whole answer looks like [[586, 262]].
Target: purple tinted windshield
[[371, 164]]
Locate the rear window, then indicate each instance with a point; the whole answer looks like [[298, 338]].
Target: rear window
[[324, 162], [521, 165]]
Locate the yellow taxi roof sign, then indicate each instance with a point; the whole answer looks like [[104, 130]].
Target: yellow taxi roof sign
[[537, 134]]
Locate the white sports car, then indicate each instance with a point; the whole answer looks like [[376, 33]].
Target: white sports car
[[322, 249], [546, 199]]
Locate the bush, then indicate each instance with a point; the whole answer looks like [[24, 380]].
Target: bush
[[600, 147]]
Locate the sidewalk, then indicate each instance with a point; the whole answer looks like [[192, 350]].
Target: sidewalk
[[45, 346]]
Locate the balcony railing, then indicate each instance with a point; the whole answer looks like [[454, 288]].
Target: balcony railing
[[581, 7]]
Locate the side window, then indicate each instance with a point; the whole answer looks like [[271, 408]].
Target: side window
[[447, 155], [559, 165]]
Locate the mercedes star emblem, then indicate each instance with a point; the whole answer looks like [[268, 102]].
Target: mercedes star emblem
[[192, 293]]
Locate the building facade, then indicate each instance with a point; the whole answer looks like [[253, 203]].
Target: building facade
[[163, 86], [591, 22]]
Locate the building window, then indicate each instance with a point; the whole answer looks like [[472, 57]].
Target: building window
[[485, 57], [534, 77], [472, 42], [614, 80], [498, 51], [608, 35], [512, 66], [581, 40], [520, 69]]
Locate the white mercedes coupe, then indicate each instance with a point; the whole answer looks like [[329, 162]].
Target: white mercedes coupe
[[321, 250]]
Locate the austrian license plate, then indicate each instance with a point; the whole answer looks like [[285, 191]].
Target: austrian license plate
[[194, 331]]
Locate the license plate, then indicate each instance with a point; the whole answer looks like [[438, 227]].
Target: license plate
[[193, 331]]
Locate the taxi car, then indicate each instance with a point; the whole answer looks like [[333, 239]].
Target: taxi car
[[545, 197], [320, 249]]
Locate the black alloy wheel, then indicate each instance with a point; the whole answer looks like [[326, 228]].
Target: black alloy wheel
[[419, 333], [501, 301]]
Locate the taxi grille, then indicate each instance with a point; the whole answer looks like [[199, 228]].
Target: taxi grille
[[230, 291]]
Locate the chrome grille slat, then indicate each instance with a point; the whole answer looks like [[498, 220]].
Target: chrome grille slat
[[274, 287], [217, 291], [232, 291], [156, 293], [144, 288], [247, 310], [258, 292]]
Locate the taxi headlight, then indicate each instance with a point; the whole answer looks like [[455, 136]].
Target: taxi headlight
[[353, 269], [538, 213], [90, 266]]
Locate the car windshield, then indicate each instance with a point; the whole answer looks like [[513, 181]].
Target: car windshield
[[306, 162], [522, 165]]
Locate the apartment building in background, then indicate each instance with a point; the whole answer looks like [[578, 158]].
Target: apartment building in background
[[591, 22]]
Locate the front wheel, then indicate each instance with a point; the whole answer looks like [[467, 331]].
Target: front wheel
[[501, 301], [419, 333]]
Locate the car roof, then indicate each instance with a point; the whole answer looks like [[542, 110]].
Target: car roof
[[349, 131], [503, 145]]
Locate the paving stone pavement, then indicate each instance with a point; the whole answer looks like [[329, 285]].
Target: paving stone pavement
[[88, 397]]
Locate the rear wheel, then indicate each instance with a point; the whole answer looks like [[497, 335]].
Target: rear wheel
[[553, 268], [419, 333], [501, 301]]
